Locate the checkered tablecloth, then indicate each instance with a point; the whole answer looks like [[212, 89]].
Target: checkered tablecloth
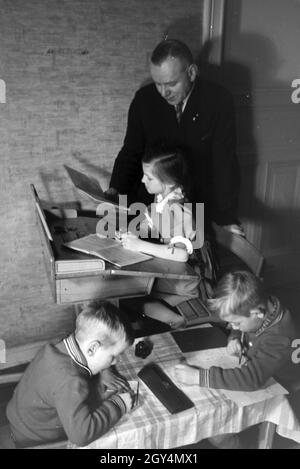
[[151, 426]]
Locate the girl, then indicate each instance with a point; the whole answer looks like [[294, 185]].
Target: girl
[[170, 222]]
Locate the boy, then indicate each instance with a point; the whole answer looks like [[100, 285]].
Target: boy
[[262, 336], [60, 396]]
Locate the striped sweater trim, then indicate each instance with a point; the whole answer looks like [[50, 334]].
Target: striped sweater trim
[[204, 378], [118, 401], [75, 353]]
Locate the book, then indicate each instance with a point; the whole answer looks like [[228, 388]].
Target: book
[[108, 249], [89, 186], [80, 265]]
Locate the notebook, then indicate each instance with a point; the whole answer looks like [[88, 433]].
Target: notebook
[[89, 186], [108, 249], [200, 338]]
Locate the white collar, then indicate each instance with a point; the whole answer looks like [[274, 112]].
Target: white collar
[[176, 194]]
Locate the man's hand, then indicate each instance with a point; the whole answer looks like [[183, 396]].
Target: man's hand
[[111, 194], [187, 374], [236, 229], [114, 381], [234, 347]]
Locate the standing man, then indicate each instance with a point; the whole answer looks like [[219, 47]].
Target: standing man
[[181, 109]]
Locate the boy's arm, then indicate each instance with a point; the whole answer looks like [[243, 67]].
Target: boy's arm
[[81, 424], [268, 359], [273, 354]]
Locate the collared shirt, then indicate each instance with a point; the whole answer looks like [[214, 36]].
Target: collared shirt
[[161, 201]]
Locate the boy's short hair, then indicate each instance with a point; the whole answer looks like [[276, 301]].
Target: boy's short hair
[[105, 322], [236, 294]]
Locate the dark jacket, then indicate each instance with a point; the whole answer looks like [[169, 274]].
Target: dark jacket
[[206, 131]]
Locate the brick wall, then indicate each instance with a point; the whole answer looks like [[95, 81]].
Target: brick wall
[[71, 68]]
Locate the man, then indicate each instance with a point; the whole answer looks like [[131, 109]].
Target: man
[[181, 109]]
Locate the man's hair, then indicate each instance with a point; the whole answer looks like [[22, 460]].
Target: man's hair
[[171, 48], [169, 165], [237, 293], [105, 322]]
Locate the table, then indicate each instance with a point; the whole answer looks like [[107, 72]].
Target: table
[[107, 282], [151, 426]]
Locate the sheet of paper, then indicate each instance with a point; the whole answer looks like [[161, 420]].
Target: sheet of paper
[[212, 357], [242, 398]]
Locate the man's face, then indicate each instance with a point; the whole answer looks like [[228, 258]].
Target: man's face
[[173, 79]]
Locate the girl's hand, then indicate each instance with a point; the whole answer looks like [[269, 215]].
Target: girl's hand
[[234, 347], [130, 241], [187, 374]]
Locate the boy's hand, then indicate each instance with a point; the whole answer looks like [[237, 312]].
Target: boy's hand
[[128, 399], [113, 381], [234, 347], [111, 194], [187, 374]]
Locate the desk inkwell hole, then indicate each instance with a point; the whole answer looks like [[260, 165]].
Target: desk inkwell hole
[[143, 348]]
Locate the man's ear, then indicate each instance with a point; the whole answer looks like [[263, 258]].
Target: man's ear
[[192, 72], [258, 312], [93, 347]]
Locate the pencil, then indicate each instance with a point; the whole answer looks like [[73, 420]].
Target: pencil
[[137, 393]]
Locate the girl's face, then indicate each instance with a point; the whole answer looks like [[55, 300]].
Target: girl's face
[[152, 183]]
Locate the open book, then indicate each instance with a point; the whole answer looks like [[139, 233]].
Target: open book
[[89, 186], [108, 249]]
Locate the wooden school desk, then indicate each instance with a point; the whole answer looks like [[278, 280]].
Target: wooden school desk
[[76, 277], [151, 426]]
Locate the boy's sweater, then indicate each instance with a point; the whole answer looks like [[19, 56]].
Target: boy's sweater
[[269, 355], [53, 399]]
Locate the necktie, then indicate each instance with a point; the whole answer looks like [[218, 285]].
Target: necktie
[[178, 109]]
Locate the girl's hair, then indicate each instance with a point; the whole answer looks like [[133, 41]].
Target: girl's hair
[[169, 165], [237, 293], [103, 321]]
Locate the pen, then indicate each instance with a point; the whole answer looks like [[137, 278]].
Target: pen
[[242, 349], [172, 246], [149, 219]]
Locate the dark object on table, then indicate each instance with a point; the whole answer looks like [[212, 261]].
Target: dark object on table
[[200, 338], [143, 349], [164, 389]]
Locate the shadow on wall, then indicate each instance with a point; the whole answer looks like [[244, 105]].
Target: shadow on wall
[[259, 67]]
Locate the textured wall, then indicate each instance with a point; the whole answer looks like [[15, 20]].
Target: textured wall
[[71, 68]]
